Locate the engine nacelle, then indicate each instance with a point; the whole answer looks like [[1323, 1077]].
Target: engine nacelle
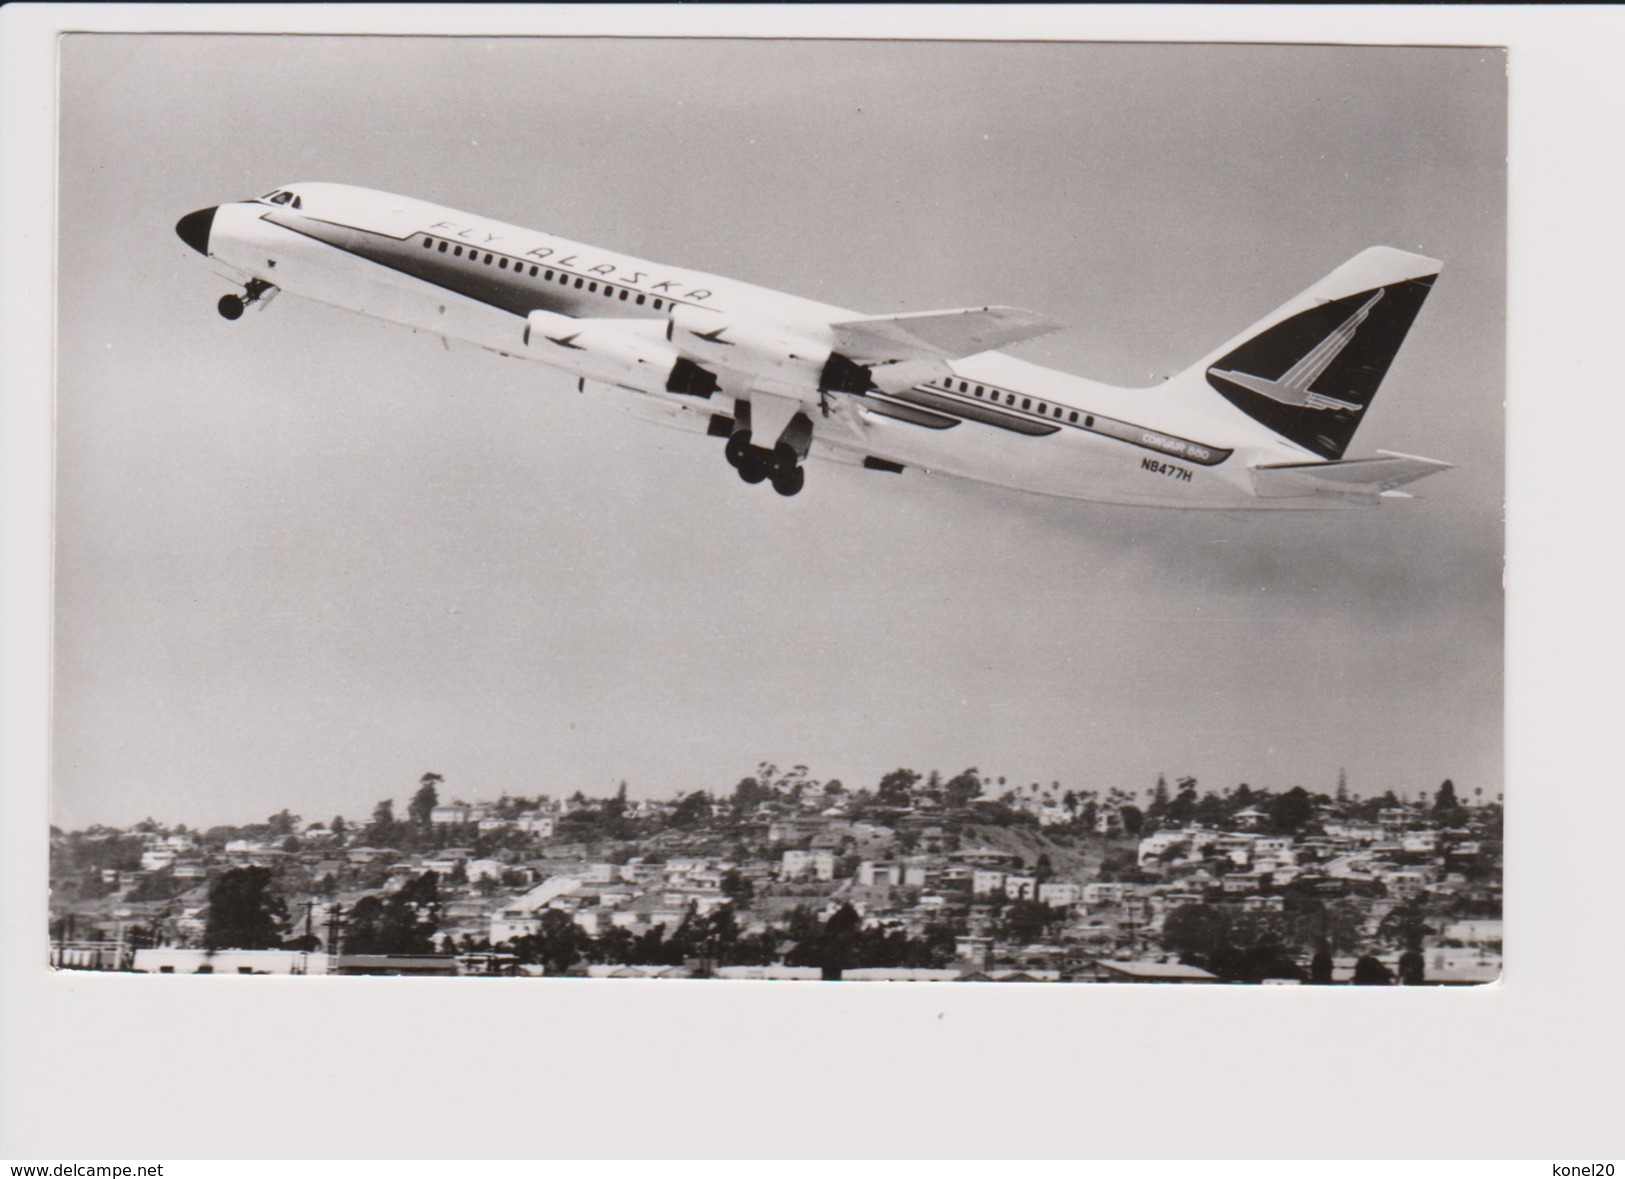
[[777, 358], [610, 351]]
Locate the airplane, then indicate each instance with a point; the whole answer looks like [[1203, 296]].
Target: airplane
[[1263, 421]]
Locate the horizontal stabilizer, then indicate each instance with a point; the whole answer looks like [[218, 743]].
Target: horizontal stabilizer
[[937, 335], [1367, 476]]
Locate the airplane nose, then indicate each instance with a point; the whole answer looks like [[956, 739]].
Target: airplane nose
[[194, 229]]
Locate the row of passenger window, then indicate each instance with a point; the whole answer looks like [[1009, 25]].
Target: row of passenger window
[[1044, 408], [563, 277]]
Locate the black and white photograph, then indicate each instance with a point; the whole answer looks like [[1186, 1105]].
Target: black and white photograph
[[584, 520], [549, 527]]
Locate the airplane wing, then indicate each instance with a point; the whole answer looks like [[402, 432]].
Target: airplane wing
[[1368, 476], [937, 335]]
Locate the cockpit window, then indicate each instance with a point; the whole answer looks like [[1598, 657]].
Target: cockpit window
[[283, 197]]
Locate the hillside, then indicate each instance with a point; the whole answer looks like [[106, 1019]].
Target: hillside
[[1072, 857]]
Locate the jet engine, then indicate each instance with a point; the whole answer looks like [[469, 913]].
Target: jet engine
[[628, 353], [777, 358]]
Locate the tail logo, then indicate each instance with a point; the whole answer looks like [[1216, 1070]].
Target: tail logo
[[1292, 387]]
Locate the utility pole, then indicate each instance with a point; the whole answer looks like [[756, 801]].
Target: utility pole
[[335, 923]]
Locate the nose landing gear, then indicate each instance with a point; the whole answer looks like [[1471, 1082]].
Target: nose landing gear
[[233, 306]]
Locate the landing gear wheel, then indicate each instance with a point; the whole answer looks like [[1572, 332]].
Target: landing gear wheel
[[738, 446], [789, 482], [753, 468], [231, 306], [784, 459]]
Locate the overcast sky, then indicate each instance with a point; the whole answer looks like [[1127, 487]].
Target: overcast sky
[[305, 557]]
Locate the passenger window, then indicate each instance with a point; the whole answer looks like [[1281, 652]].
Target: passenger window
[[640, 300], [458, 251], [1026, 403], [1089, 421], [1042, 408], [428, 243], [578, 284], [548, 275], [1057, 411], [657, 304], [488, 259], [623, 296], [442, 247], [1074, 416], [502, 264], [533, 272], [1009, 398], [978, 390], [964, 387], [592, 288]]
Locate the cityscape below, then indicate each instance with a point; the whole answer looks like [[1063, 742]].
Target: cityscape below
[[917, 878]]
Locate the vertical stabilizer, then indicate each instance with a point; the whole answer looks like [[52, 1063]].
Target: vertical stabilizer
[[1310, 370]]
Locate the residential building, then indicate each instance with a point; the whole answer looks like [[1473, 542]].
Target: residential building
[[1060, 893]]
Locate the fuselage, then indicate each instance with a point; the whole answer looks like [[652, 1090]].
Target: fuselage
[[988, 417]]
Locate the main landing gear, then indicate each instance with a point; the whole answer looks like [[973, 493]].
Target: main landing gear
[[781, 465], [233, 306]]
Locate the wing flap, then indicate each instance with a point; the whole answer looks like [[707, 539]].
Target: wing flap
[[937, 335], [1363, 477]]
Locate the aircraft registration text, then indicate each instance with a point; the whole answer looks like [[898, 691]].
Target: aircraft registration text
[[1172, 470]]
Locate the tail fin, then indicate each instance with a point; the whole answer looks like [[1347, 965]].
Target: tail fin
[[1309, 370]]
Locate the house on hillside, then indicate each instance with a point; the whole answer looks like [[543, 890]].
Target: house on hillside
[[523, 914]]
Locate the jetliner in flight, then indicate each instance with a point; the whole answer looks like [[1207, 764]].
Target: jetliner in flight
[[1263, 421]]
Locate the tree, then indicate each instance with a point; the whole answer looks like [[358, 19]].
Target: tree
[[692, 811], [962, 788], [1405, 925], [1159, 799], [736, 886], [616, 944], [748, 794], [1029, 921], [558, 944], [1445, 799], [933, 788], [1370, 972], [1320, 966], [1132, 818], [404, 923], [381, 831], [282, 823], [421, 809], [832, 947], [1181, 809], [1196, 931], [339, 827], [1291, 810], [896, 788], [244, 912], [1412, 971]]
